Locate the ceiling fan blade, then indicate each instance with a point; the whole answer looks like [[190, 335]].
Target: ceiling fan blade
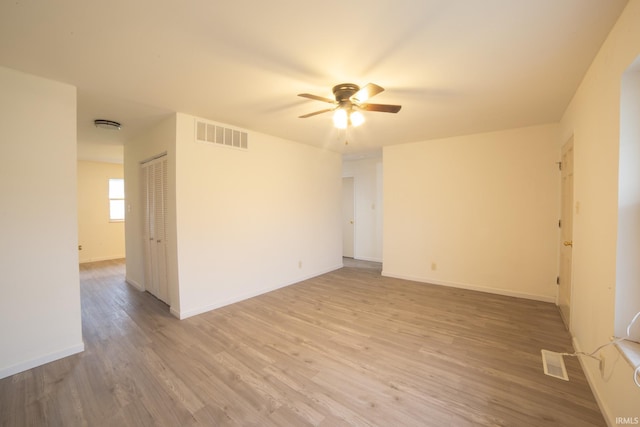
[[315, 112], [384, 108], [369, 90], [317, 98]]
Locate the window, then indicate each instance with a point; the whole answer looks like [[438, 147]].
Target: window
[[116, 199], [627, 289], [628, 245]]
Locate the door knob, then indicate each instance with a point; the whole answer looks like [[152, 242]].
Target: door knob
[[568, 243]]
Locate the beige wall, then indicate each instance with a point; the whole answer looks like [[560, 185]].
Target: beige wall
[[240, 223], [100, 239], [477, 212], [39, 285], [593, 118], [252, 221]]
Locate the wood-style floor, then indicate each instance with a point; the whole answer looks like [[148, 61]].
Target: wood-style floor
[[346, 348]]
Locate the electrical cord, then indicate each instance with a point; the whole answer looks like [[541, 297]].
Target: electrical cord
[[636, 372]]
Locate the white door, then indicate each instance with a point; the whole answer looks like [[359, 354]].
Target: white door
[[566, 233], [154, 182], [348, 209]]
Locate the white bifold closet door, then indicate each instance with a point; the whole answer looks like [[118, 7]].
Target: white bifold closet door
[[154, 191]]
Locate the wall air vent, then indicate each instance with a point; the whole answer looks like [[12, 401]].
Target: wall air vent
[[212, 133]]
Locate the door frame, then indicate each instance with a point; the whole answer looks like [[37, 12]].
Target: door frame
[[565, 255], [156, 279], [349, 228]]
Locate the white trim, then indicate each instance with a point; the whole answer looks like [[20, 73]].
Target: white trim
[[38, 361], [199, 310], [497, 291], [135, 284], [587, 373], [631, 352], [104, 258], [152, 158], [175, 313], [364, 258]]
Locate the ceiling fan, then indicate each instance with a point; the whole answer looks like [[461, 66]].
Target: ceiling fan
[[350, 100]]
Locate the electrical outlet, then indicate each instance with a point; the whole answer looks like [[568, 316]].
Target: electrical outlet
[[601, 364], [434, 266], [300, 264]]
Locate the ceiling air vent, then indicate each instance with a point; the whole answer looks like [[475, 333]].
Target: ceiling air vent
[[211, 133]]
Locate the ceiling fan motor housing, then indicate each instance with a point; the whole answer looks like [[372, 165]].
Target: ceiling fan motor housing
[[344, 91]]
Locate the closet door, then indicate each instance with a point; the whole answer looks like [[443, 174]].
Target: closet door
[[154, 181]]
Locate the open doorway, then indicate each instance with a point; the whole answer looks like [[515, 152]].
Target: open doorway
[[100, 233], [365, 172]]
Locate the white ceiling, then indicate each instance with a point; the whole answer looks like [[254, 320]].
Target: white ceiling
[[456, 66]]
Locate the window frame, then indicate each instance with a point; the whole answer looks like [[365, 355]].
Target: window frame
[[116, 198]]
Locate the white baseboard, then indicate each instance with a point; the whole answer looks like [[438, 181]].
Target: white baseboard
[[218, 304], [497, 291], [38, 361], [135, 284], [139, 287], [363, 258], [589, 375], [104, 258]]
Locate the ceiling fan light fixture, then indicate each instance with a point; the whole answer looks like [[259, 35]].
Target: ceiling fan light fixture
[[107, 124], [340, 118], [356, 118], [349, 102]]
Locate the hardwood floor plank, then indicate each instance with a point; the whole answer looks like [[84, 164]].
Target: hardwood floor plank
[[349, 347]]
